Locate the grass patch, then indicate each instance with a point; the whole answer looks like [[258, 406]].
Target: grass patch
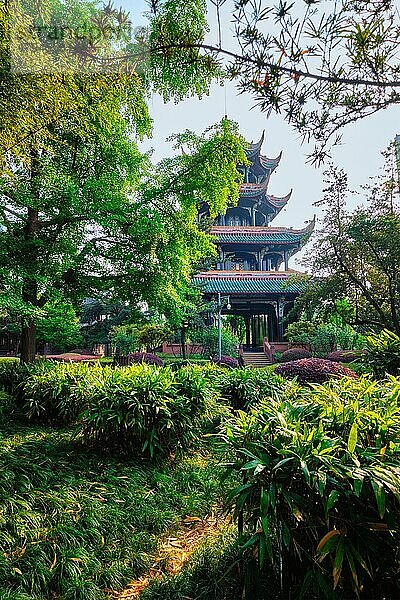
[[73, 524]]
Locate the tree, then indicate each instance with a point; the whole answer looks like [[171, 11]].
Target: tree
[[321, 65], [356, 256], [81, 210], [59, 327]]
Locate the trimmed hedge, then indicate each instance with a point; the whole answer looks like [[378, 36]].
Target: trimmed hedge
[[313, 370], [226, 361], [146, 358], [295, 354]]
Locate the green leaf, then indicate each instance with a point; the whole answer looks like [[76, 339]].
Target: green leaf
[[379, 492], [264, 502], [332, 498], [338, 563], [352, 441]]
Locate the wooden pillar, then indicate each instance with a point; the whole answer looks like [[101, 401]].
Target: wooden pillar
[[286, 257]]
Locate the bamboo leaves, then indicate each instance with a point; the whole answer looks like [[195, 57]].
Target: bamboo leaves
[[310, 509]]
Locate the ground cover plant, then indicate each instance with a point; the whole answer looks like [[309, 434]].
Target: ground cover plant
[[74, 523], [321, 487]]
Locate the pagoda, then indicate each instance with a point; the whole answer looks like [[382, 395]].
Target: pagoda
[[253, 265]]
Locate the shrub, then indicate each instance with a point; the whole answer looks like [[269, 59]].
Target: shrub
[[124, 338], [300, 332], [56, 393], [320, 502], [329, 337], [145, 358], [145, 410], [315, 370], [295, 354], [241, 388], [6, 405], [345, 356], [11, 373], [383, 353], [226, 361], [151, 337], [208, 338]]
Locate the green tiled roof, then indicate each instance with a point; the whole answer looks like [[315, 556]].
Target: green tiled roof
[[232, 284], [256, 238]]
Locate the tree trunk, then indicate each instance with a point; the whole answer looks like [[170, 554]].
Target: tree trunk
[[28, 342]]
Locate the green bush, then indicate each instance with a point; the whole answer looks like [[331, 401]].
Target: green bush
[[146, 410], [208, 338], [11, 373], [57, 393], [383, 353], [320, 498], [124, 338], [300, 332], [241, 388], [6, 405], [330, 337]]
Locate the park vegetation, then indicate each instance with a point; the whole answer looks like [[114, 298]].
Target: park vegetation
[[308, 473]]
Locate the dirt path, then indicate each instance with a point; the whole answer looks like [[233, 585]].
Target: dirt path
[[172, 554]]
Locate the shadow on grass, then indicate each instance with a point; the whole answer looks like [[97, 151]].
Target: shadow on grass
[[73, 523]]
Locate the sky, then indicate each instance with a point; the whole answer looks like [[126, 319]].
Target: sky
[[359, 153]]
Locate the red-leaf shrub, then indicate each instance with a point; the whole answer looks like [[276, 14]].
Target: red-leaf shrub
[[295, 354], [226, 361], [313, 370], [145, 357], [345, 356]]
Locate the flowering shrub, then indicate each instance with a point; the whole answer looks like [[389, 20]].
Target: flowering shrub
[[226, 361], [315, 370], [295, 354], [146, 358], [345, 356]]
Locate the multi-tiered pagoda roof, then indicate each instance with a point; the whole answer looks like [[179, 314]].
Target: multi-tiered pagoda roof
[[246, 241], [253, 266]]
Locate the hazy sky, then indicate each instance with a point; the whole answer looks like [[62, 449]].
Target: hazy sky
[[359, 153]]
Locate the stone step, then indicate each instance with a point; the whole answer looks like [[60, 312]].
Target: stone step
[[256, 359]]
